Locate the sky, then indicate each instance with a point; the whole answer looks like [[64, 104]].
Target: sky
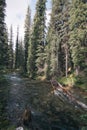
[[16, 12]]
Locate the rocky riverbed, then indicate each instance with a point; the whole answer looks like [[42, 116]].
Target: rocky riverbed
[[48, 111]]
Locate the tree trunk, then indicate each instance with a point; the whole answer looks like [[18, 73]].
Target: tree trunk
[[66, 60], [77, 70]]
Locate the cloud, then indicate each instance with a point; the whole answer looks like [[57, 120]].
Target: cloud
[[16, 12], [48, 17], [15, 15]]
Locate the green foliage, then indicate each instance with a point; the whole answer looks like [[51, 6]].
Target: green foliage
[[47, 62], [68, 81], [19, 54], [81, 82], [37, 42], [31, 65], [27, 37], [16, 50], [41, 9], [72, 80], [66, 38], [10, 50], [78, 32], [3, 36], [57, 37]]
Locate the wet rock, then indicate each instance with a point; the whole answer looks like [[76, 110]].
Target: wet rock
[[20, 128]]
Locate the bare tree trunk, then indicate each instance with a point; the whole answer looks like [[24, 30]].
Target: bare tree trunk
[[66, 60], [77, 70], [66, 63]]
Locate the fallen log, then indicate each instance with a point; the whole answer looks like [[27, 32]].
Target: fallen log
[[65, 95]]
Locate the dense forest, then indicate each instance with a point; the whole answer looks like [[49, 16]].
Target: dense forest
[[57, 50]]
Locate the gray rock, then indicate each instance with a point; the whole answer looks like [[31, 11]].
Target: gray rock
[[20, 128]]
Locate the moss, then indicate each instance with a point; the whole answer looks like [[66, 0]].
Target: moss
[[72, 80]]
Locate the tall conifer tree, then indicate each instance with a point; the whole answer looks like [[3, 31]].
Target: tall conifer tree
[[37, 40], [3, 41], [27, 36], [16, 51], [41, 16], [11, 55], [54, 38], [78, 34], [21, 55]]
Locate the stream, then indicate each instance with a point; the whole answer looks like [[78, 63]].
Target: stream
[[48, 112]]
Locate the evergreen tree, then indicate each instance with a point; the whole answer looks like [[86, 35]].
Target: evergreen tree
[[6, 55], [36, 49], [21, 55], [11, 55], [3, 35], [65, 48], [31, 57], [16, 51], [32, 69], [58, 55], [47, 67], [41, 17], [78, 34], [54, 38], [27, 35]]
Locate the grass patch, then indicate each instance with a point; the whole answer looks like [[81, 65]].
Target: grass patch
[[68, 81], [72, 80]]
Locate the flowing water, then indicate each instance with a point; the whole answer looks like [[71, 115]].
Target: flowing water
[[48, 112]]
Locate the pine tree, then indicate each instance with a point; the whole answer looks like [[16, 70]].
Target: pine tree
[[16, 51], [54, 38], [36, 50], [27, 35], [6, 55], [31, 64], [3, 35], [78, 34], [41, 11], [11, 55], [65, 48], [47, 67], [31, 57], [21, 55]]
